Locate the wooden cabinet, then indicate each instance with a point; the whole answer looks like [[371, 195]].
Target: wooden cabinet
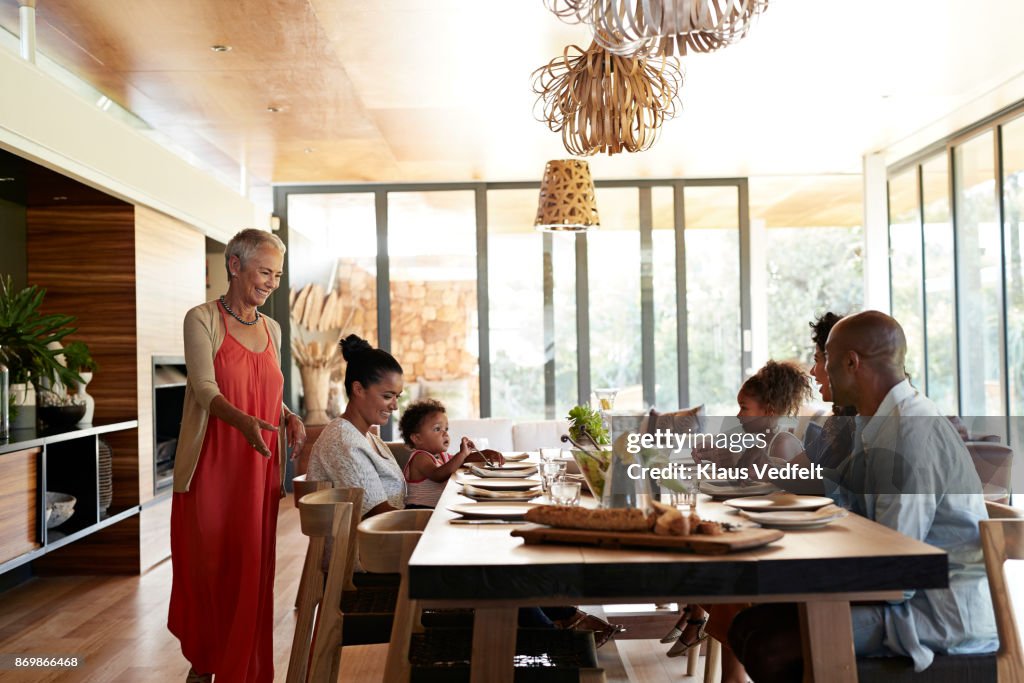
[[67, 462]]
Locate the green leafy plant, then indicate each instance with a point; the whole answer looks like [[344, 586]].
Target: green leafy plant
[[78, 358], [25, 333], [585, 421]]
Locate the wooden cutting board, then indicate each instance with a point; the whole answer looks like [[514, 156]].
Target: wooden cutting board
[[727, 542]]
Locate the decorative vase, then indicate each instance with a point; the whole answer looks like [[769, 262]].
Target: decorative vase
[[24, 405], [315, 387], [90, 402]]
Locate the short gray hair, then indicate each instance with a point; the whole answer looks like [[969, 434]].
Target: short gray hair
[[246, 243]]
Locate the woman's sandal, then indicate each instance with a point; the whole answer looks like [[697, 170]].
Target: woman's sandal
[[673, 635], [581, 621], [681, 646], [194, 677]]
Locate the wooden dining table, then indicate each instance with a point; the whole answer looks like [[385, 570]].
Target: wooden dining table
[[822, 570]]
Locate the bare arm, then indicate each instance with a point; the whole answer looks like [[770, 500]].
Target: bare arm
[[379, 509]]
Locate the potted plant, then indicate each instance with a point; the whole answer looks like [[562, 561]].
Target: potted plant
[[78, 359], [590, 437], [25, 338]]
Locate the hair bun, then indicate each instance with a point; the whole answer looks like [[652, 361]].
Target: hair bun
[[353, 345]]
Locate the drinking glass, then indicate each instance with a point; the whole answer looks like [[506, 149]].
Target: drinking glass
[[549, 454], [565, 492], [549, 471], [686, 500], [606, 398]]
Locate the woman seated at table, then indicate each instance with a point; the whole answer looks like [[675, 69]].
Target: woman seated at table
[[774, 391], [348, 453]]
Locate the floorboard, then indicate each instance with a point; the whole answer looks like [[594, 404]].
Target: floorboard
[[119, 625]]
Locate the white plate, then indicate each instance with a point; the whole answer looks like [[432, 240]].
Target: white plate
[[779, 501], [491, 510], [506, 472], [524, 497], [499, 484], [731, 490], [515, 457], [795, 519]]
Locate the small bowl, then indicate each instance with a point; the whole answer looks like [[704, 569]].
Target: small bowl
[[59, 508], [59, 417]]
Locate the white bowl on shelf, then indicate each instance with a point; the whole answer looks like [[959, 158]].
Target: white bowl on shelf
[[59, 508]]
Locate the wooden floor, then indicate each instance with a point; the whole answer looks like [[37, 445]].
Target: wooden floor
[[119, 626]]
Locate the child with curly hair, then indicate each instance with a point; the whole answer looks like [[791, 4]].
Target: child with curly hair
[[776, 390], [424, 428]]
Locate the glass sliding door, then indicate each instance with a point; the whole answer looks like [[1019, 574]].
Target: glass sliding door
[[613, 263], [515, 279], [332, 266], [714, 327], [666, 321], [434, 321], [1013, 235], [979, 277], [939, 284], [906, 267]]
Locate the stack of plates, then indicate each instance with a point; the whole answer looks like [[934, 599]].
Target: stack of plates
[[736, 489], [797, 519], [507, 471], [482, 494]]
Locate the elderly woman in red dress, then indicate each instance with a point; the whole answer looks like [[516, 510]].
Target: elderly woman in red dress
[[226, 473]]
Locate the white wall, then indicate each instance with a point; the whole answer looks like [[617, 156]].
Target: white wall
[[45, 122]]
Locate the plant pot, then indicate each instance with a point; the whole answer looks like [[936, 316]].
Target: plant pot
[[56, 418]]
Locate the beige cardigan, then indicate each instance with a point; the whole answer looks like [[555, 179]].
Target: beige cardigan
[[204, 332]]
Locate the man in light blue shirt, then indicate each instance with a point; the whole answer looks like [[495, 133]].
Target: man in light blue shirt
[[911, 472]]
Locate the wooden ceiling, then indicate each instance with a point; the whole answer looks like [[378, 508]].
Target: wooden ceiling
[[395, 90]]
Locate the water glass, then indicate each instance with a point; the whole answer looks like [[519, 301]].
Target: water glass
[[565, 492], [549, 454], [549, 471], [686, 500]]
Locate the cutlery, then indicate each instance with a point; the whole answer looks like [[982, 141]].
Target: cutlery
[[486, 521]]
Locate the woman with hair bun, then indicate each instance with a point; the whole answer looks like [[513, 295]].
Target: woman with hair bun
[[348, 453]]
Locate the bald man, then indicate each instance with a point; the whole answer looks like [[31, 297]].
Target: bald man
[[910, 472]]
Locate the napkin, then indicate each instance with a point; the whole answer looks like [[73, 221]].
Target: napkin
[[827, 512], [497, 495], [515, 473]]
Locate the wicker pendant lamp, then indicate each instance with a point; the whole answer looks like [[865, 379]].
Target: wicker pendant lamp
[[662, 27], [602, 102], [567, 200]]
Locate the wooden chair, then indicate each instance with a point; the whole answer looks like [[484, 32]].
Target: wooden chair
[[999, 543], [367, 606], [1002, 539], [300, 487], [386, 542]]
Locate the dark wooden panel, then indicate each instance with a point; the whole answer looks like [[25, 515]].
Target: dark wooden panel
[[113, 550], [19, 503], [85, 257]]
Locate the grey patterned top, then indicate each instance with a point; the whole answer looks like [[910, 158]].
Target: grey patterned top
[[347, 457]]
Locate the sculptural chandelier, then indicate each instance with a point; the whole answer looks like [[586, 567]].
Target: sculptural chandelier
[[602, 102], [662, 27]]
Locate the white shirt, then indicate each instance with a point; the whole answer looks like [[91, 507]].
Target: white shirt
[[911, 472]]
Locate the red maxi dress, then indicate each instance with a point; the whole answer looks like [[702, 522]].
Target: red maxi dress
[[223, 530]]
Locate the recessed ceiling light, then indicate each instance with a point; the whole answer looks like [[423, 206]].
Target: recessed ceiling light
[[6, 180], [221, 48], [60, 198], [274, 110]]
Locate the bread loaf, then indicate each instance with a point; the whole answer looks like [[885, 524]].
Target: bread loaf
[[568, 517]]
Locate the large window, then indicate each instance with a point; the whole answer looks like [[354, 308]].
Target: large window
[[970, 201], [906, 265], [979, 277], [495, 318]]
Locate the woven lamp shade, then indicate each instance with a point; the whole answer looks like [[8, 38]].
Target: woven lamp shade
[[567, 201]]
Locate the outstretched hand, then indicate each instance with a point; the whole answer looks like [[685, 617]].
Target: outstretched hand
[[253, 429]]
